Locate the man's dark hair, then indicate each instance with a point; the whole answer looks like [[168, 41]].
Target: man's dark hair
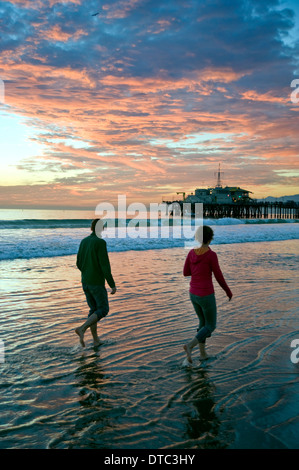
[[93, 224]]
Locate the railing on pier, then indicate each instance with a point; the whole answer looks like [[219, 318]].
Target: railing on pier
[[248, 210]]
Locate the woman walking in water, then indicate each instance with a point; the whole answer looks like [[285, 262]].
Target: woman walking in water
[[200, 264]]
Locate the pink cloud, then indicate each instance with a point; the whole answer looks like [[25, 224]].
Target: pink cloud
[[120, 9], [55, 33], [252, 95], [37, 4], [122, 117]]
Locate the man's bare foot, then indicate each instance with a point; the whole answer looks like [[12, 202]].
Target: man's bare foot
[[202, 350], [80, 333], [188, 353], [97, 343]]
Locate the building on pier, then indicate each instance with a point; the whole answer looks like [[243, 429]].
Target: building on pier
[[220, 194], [226, 195]]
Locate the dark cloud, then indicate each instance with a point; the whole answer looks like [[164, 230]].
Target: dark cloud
[[144, 70], [147, 38]]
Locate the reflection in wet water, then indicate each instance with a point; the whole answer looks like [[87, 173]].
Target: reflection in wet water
[[201, 420], [133, 391]]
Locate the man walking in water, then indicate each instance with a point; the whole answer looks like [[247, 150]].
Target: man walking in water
[[93, 262]]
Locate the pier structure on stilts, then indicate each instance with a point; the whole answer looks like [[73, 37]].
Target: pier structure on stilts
[[233, 202]]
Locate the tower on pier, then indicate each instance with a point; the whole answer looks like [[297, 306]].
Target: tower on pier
[[219, 184]]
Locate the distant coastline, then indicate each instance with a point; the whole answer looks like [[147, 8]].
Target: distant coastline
[[294, 198]]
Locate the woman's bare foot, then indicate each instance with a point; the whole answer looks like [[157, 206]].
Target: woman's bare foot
[[188, 353], [203, 358], [80, 333]]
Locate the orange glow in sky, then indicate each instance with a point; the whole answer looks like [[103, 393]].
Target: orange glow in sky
[[146, 99]]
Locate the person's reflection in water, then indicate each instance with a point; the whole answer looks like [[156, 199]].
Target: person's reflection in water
[[98, 414], [91, 380], [203, 425]]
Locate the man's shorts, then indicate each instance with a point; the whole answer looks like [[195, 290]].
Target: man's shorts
[[97, 300]]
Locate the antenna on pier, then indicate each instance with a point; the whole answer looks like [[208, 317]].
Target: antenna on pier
[[219, 184]]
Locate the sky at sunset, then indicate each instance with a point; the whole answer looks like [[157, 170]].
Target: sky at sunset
[[145, 98]]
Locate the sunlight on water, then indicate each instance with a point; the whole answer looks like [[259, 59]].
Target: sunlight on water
[[133, 391]]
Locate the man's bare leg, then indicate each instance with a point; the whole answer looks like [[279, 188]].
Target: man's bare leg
[[202, 349], [94, 332], [81, 329]]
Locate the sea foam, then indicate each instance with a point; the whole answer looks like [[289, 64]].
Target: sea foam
[[44, 238]]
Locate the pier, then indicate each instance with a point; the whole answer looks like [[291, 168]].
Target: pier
[[233, 202], [248, 210]]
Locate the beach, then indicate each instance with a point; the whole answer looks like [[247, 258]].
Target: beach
[[134, 391]]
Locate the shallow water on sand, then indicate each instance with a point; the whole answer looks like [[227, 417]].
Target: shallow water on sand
[[134, 390]]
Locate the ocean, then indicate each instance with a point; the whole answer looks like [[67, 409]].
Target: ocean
[[134, 391], [32, 233]]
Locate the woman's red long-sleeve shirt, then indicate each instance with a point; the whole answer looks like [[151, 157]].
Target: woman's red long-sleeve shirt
[[200, 268]]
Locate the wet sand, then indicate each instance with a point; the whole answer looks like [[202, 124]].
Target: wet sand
[[134, 391]]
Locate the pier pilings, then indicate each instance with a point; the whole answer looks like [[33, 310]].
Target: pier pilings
[[248, 210]]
